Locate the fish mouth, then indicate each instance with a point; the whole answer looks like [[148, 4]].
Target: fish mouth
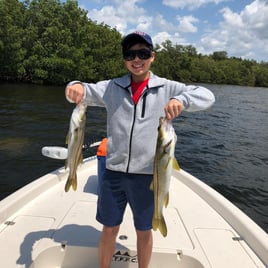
[[167, 125]]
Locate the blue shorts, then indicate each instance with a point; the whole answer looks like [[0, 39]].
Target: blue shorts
[[117, 190]]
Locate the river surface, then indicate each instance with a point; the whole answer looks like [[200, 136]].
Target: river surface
[[225, 146]]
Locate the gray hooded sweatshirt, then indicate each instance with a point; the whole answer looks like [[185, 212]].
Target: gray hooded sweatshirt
[[132, 129]]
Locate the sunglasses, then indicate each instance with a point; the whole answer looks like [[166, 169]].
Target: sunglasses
[[143, 54]]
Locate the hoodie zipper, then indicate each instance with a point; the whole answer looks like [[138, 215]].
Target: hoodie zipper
[[144, 96], [130, 142], [143, 104]]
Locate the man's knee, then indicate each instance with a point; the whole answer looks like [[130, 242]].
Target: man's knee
[[110, 231], [144, 234]]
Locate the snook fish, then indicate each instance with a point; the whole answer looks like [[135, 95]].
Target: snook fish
[[164, 162], [75, 139]]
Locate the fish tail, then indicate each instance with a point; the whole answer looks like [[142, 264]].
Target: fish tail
[[175, 164], [71, 181], [68, 184], [159, 223], [74, 183]]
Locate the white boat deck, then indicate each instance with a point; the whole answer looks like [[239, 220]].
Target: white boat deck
[[59, 229]]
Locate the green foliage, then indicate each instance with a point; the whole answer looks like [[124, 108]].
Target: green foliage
[[219, 55], [182, 63], [48, 41], [11, 35], [261, 74]]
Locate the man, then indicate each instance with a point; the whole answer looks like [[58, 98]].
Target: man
[[134, 104]]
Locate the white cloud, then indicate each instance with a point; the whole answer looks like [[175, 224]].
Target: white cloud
[[144, 23], [119, 14], [190, 4], [108, 16], [255, 15], [186, 24], [160, 24], [127, 16], [243, 34], [161, 37]]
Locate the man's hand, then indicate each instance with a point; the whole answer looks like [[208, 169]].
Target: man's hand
[[173, 108], [74, 93]]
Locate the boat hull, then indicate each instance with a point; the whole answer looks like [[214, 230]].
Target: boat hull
[[46, 227]]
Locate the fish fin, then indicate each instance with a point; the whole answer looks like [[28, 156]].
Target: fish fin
[[175, 164], [155, 223], [162, 227], [80, 161], [166, 200], [68, 184], [74, 183], [160, 224], [71, 182], [152, 185]]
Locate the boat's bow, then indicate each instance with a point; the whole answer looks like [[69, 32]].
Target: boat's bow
[[42, 226]]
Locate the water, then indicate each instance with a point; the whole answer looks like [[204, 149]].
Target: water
[[225, 146]]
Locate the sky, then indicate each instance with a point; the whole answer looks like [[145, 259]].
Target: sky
[[239, 27]]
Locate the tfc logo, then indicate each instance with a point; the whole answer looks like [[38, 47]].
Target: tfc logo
[[124, 257]]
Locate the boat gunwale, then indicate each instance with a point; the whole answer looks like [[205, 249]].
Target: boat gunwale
[[17, 200], [248, 230]]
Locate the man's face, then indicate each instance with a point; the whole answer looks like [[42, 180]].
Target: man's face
[[139, 67]]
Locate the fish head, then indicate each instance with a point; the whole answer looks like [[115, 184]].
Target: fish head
[[78, 115], [166, 133]]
